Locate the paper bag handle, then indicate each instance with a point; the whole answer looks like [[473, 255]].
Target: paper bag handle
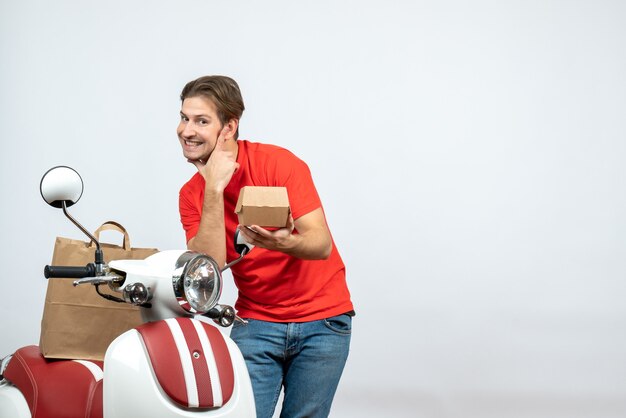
[[112, 225]]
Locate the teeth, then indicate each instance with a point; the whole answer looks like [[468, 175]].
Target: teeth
[[192, 142]]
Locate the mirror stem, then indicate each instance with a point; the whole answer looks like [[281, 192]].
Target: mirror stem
[[232, 263], [75, 222], [99, 262]]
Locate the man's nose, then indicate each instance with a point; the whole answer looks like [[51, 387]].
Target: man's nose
[[188, 130]]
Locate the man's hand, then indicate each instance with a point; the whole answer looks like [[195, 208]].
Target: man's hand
[[221, 165], [312, 242], [277, 240]]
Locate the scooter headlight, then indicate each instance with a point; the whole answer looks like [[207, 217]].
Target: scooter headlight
[[197, 282]]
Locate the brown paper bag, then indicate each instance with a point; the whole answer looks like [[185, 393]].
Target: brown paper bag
[[77, 323]]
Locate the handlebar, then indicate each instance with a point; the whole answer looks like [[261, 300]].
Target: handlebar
[[70, 272]]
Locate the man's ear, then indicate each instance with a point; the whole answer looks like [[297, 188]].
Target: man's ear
[[230, 130]]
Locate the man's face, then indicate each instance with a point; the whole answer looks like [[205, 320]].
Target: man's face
[[199, 128]]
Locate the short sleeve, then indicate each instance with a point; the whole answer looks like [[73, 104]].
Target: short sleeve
[[190, 210], [295, 175]]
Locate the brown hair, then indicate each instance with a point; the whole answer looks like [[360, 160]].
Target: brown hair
[[222, 91]]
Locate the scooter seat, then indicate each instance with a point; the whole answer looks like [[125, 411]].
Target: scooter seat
[[56, 388]]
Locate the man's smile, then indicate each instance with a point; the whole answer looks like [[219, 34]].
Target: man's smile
[[193, 143]]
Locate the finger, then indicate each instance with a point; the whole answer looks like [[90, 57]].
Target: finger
[[248, 235], [260, 231], [290, 223], [247, 228], [221, 137]]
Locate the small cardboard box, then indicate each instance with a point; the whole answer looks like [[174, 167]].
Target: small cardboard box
[[263, 206]]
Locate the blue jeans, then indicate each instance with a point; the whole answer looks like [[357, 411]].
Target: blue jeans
[[307, 358]]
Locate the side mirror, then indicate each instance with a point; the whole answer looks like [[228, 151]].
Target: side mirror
[[242, 246], [61, 184], [61, 187]]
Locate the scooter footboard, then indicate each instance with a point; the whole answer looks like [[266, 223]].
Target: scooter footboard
[[178, 366]]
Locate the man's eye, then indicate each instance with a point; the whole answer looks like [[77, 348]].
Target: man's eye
[[184, 118], [203, 122]]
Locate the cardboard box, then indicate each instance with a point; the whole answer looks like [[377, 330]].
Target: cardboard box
[[263, 206]]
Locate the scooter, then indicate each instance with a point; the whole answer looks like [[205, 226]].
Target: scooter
[[172, 365]]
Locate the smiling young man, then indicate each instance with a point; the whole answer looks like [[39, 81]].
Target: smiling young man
[[292, 286]]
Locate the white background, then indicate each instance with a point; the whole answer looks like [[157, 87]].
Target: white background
[[469, 154]]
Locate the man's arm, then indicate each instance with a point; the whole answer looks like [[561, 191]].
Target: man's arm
[[312, 242], [217, 172], [210, 238]]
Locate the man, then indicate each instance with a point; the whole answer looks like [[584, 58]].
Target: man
[[292, 287]]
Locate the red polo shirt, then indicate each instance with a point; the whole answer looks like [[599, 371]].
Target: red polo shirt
[[273, 286]]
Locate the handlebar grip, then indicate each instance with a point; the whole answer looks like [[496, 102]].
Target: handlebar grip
[[70, 272]]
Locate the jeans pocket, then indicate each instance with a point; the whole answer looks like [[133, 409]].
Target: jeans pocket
[[340, 324]]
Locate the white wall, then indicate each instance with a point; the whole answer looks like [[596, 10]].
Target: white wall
[[470, 156]]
